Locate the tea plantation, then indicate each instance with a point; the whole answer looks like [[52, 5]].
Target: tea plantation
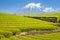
[[12, 24]]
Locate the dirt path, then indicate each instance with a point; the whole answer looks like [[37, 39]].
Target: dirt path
[[33, 32], [58, 30]]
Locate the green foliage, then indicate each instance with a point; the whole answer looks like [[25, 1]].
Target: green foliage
[[14, 21], [53, 36], [4, 39], [11, 24], [14, 38], [1, 36], [6, 33]]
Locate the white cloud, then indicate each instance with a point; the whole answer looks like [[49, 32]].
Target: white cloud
[[49, 9], [33, 5], [36, 8]]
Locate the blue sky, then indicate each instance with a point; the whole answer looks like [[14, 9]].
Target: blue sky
[[11, 6]]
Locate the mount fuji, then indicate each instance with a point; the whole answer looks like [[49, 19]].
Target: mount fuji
[[35, 8]]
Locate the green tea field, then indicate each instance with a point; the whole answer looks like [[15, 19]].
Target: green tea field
[[30, 26]]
